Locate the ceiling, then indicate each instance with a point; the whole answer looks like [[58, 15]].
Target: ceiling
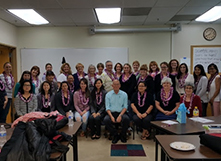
[[134, 12]]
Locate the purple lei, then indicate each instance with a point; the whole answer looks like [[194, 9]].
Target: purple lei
[[144, 98], [191, 100], [197, 81], [6, 80], [123, 77], [63, 101], [2, 86], [26, 101], [182, 81], [99, 95], [140, 79], [43, 101], [163, 95], [79, 76], [89, 77], [161, 75], [71, 86], [83, 100], [136, 73], [210, 81], [111, 75], [37, 82]]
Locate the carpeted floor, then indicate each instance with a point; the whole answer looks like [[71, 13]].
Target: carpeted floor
[[127, 150]]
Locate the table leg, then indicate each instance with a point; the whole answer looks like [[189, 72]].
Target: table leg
[[162, 155], [156, 150], [75, 147]]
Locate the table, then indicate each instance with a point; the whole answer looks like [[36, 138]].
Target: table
[[200, 153], [190, 128], [72, 130]]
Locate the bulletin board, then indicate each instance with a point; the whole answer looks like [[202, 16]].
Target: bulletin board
[[205, 55]]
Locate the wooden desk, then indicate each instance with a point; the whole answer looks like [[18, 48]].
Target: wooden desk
[[200, 153], [190, 128]]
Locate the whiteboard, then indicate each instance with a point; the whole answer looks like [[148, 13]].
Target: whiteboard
[[41, 56], [206, 55]]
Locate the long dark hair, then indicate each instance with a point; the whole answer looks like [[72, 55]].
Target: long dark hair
[[87, 92], [93, 92], [213, 65], [202, 73], [170, 67], [179, 72], [42, 91], [21, 90], [62, 84], [25, 72]]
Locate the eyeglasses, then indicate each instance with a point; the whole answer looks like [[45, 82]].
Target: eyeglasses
[[25, 85], [141, 86]]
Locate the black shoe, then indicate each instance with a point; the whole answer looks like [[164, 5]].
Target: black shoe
[[115, 139], [123, 139]]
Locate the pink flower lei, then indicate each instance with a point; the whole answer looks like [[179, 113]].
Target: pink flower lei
[[191, 100], [136, 73], [71, 86], [2, 86], [197, 81], [163, 95], [144, 98], [37, 82], [210, 81], [89, 77], [83, 100], [111, 75], [161, 75], [7, 82], [79, 76], [140, 79], [182, 81], [22, 98], [99, 95], [123, 77], [63, 101], [45, 105]]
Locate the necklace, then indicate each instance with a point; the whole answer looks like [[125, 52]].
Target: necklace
[[45, 105], [210, 82], [2, 86], [163, 95], [140, 79], [98, 97], [197, 81], [136, 73], [182, 81], [139, 100], [71, 86], [161, 75], [83, 100], [123, 78], [111, 75], [22, 98], [37, 81], [191, 100], [7, 82], [89, 77], [79, 76], [63, 101], [153, 74]]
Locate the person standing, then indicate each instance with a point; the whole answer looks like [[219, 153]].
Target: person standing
[[3, 100], [9, 83], [116, 107]]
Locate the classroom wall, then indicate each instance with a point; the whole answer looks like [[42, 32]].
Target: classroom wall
[[8, 34]]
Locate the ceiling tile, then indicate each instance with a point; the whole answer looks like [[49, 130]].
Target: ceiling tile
[[134, 19], [107, 3], [82, 15], [5, 15], [13, 4], [139, 3], [193, 10], [171, 3], [76, 3], [200, 3], [184, 17], [136, 11], [42, 4]]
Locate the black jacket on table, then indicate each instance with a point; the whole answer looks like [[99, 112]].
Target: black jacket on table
[[158, 85], [129, 85], [60, 106], [95, 108]]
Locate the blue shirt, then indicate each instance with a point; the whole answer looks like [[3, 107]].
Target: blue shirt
[[116, 102]]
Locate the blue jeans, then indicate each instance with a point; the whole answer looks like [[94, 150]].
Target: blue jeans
[[83, 119]]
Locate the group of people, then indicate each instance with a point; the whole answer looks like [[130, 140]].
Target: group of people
[[116, 97]]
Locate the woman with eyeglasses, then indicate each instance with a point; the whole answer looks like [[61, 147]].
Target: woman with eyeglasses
[[25, 101]]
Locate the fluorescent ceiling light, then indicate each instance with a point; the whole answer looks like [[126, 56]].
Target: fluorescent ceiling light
[[29, 15], [211, 15], [108, 15]]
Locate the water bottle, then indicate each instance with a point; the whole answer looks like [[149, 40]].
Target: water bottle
[[70, 118], [196, 112], [2, 136]]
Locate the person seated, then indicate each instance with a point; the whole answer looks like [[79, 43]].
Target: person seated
[[190, 99], [81, 103], [50, 78], [116, 107], [45, 98], [142, 105], [97, 106], [25, 101], [167, 101]]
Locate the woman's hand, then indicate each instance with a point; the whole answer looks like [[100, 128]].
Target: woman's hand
[[139, 115]]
